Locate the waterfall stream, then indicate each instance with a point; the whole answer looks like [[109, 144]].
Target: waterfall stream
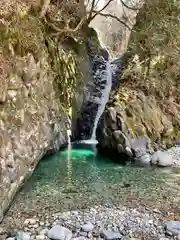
[[106, 75], [103, 72]]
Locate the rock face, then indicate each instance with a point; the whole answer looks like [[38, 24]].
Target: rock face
[[113, 35], [31, 123], [134, 121]]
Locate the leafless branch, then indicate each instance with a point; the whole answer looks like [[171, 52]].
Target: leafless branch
[[90, 17], [113, 17], [67, 30], [129, 7]]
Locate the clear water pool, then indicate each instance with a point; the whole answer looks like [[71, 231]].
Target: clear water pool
[[78, 178]]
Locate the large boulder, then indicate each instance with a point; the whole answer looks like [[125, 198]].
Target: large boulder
[[136, 121]]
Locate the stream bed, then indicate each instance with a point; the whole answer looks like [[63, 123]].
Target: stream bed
[[77, 178]]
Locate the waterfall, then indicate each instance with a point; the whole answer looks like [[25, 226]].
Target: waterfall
[[69, 140], [69, 163], [106, 75]]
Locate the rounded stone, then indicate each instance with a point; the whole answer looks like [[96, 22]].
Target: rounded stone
[[87, 227], [59, 233]]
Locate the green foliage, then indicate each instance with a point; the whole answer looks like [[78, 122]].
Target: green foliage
[[156, 41]]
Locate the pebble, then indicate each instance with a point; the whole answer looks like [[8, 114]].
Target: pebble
[[109, 222], [59, 232], [22, 236], [110, 235], [84, 234], [88, 227], [40, 237], [79, 238], [44, 231]]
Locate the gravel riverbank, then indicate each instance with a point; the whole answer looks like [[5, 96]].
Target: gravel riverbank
[[100, 222]]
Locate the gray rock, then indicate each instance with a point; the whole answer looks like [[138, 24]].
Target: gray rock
[[40, 237], [59, 233], [112, 114], [162, 159], [44, 231], [110, 235], [22, 236], [11, 238], [121, 138], [79, 238], [120, 148], [83, 234], [144, 159], [87, 227], [128, 151], [139, 144], [173, 227]]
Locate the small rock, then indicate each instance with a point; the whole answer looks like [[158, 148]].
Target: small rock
[[44, 231], [30, 221], [40, 237], [163, 238], [110, 235], [78, 225], [79, 238], [11, 238], [22, 236], [36, 225], [84, 234], [173, 227], [59, 233], [26, 222], [87, 227]]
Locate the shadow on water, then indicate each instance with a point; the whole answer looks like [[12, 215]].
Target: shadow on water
[[79, 177]]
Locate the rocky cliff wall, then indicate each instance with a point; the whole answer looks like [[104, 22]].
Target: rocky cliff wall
[[36, 75], [143, 111]]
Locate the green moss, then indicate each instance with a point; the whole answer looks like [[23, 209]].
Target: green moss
[[25, 35]]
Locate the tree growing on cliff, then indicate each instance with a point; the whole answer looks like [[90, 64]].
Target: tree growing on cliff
[[73, 16]]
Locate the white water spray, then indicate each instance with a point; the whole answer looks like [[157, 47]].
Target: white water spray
[[107, 76]]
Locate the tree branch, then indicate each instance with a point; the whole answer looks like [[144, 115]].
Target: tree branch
[[90, 17], [66, 29], [129, 7], [114, 17]]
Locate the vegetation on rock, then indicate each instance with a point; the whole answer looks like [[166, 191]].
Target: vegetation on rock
[[153, 70]]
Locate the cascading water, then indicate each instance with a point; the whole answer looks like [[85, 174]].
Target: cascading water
[[103, 75], [106, 75]]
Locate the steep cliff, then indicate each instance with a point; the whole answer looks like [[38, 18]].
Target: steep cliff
[[38, 76]]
